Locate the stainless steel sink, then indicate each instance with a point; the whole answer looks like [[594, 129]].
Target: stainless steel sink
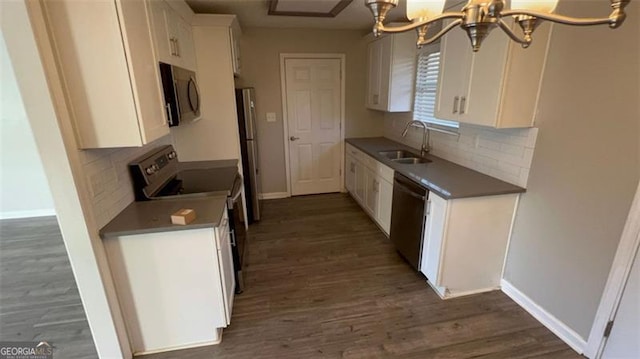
[[397, 154], [411, 160]]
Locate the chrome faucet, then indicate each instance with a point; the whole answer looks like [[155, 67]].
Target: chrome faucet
[[425, 135]]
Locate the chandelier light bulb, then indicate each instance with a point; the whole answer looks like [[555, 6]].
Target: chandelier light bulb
[[424, 9], [535, 5]]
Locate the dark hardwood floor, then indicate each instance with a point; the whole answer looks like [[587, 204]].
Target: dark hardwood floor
[[39, 299], [322, 281]]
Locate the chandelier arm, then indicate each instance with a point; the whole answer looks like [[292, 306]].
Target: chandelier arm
[[505, 27], [440, 33], [417, 24], [561, 19]]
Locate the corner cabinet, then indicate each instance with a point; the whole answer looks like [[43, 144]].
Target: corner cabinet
[[498, 86], [391, 73], [105, 54], [465, 243], [370, 183], [173, 36], [190, 270]]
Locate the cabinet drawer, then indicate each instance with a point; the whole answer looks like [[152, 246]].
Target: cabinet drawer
[[370, 162], [356, 153], [384, 172], [381, 170]]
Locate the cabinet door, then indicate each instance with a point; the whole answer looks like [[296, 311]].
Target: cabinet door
[[184, 45], [360, 182], [163, 45], [143, 69], [436, 212], [227, 274], [482, 101], [374, 57], [385, 199], [350, 173], [235, 50], [371, 192], [455, 64]]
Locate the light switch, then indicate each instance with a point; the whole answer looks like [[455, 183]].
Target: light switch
[[271, 117]]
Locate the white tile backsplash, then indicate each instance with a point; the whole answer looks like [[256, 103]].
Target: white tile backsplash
[[107, 174], [502, 153]]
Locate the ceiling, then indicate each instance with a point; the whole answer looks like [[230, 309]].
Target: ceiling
[[253, 13]]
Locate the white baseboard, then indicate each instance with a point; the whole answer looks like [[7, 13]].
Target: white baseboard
[[27, 214], [568, 335], [273, 195]]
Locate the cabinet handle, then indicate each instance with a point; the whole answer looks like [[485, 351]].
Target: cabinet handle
[[177, 47], [353, 167], [376, 99], [463, 102], [456, 100], [428, 211], [173, 47]]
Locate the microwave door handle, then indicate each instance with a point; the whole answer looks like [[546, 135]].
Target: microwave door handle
[[177, 98], [169, 114]]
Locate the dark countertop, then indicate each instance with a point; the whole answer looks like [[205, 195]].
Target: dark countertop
[[443, 177], [155, 216]]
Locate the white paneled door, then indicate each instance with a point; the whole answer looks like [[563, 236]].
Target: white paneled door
[[314, 100]]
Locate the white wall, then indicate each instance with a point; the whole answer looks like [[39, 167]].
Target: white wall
[[585, 169], [24, 191], [505, 154], [36, 73]]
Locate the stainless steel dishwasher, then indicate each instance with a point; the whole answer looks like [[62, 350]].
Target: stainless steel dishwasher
[[407, 218]]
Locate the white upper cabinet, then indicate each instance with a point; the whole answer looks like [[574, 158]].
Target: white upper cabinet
[[105, 54], [497, 86], [173, 36], [391, 72]]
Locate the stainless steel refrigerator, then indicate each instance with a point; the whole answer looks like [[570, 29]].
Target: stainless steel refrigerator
[[246, 103]]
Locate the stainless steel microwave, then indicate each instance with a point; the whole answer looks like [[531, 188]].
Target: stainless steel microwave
[[181, 95]]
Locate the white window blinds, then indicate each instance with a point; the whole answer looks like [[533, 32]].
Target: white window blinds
[[426, 87]]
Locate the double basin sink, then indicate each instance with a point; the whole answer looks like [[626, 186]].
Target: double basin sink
[[403, 157]]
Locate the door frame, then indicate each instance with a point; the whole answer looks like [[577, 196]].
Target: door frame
[[618, 276], [285, 119]]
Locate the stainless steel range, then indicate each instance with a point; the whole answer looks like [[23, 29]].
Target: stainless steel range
[[158, 175]]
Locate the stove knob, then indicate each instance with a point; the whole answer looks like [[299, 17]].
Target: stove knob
[[155, 167], [172, 155], [150, 170]]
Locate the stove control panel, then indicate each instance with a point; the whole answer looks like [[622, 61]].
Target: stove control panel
[[153, 169]]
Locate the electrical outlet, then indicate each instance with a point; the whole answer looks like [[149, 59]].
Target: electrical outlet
[[271, 117]]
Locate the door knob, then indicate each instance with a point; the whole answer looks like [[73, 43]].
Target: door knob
[[293, 138]]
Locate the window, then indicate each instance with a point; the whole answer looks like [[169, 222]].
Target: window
[[424, 103]]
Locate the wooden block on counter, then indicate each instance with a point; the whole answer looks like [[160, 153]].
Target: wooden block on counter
[[183, 216]]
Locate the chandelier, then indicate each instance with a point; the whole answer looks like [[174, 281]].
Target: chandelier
[[479, 17]]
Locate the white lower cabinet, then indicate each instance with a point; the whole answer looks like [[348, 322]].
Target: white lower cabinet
[[370, 183], [465, 243], [175, 288]]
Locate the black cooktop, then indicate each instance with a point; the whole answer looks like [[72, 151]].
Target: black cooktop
[[200, 182]]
